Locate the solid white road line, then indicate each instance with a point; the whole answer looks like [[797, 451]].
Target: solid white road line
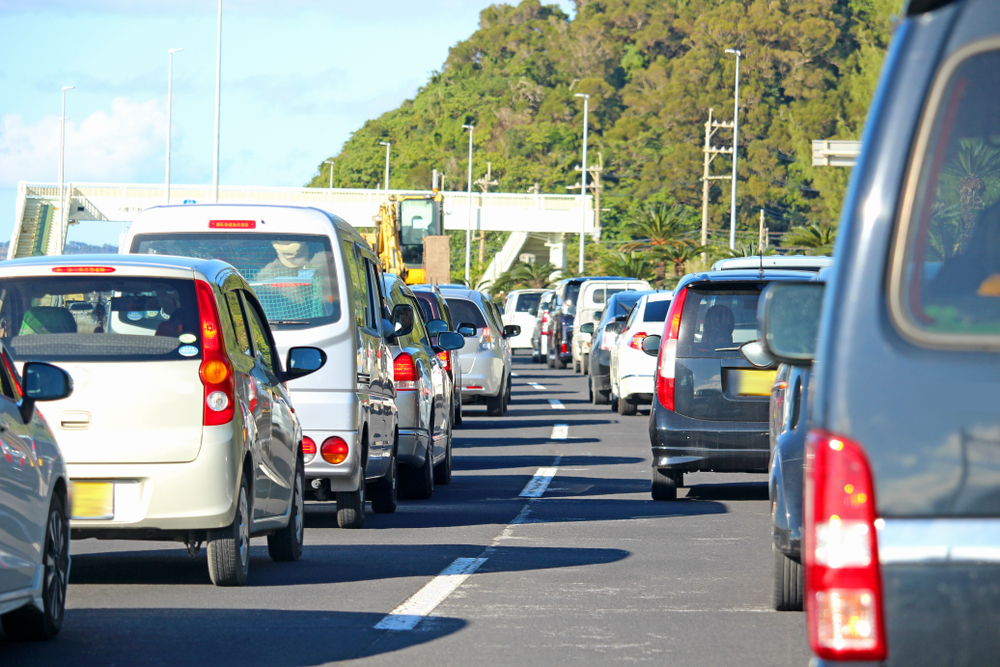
[[560, 432], [556, 404], [407, 615], [537, 485], [535, 385]]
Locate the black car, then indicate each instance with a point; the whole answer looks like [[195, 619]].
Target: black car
[[710, 408], [901, 540], [560, 346], [611, 322], [434, 307]]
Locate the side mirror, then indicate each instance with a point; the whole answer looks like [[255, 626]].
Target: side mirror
[[587, 328], [598, 315], [43, 382], [511, 330], [533, 312], [467, 329], [434, 327], [788, 316], [449, 340], [302, 361], [401, 323], [756, 353], [621, 318], [651, 345]]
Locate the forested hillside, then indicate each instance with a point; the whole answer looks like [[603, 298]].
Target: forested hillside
[[653, 68]]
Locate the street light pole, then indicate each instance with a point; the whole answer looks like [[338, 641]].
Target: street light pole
[[736, 134], [468, 226], [388, 145], [62, 154], [330, 162], [218, 86], [170, 82], [583, 179]]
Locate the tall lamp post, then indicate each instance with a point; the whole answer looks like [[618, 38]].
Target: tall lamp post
[[388, 146], [736, 134], [218, 86], [62, 155], [170, 82], [468, 226], [583, 179], [330, 162]]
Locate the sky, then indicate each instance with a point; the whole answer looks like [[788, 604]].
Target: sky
[[298, 76]]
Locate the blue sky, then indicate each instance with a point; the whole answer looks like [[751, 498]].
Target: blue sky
[[298, 76]]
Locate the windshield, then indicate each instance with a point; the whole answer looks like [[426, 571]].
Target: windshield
[[417, 219], [464, 310], [293, 275], [715, 322], [656, 311], [527, 303], [620, 305], [572, 294]]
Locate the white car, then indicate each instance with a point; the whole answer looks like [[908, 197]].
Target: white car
[[594, 295], [632, 370], [520, 308]]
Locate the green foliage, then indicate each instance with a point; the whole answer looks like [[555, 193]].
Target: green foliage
[[816, 239]]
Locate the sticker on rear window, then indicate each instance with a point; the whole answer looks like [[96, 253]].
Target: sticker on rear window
[[134, 315], [188, 350], [187, 338]]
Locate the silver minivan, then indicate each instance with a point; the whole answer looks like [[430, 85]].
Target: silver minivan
[[320, 285]]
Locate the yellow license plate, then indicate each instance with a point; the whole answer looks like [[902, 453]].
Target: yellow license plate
[[93, 500], [751, 383]]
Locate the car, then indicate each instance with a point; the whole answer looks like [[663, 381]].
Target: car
[[485, 360], [434, 307], [811, 263], [632, 370], [424, 394], [184, 366], [520, 308], [540, 332], [562, 315], [902, 497], [320, 285], [593, 298], [34, 503], [710, 407], [604, 335]]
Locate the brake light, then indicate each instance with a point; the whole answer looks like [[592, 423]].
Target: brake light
[[445, 357], [308, 449], [405, 372], [665, 365], [334, 450], [636, 342], [843, 579], [216, 373], [232, 224], [83, 269], [562, 348]]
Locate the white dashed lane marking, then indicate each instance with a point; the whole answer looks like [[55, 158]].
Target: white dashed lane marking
[[409, 614], [536, 487], [560, 432], [556, 404], [535, 385]]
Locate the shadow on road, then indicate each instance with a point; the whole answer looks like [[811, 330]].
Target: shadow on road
[[732, 491], [466, 462]]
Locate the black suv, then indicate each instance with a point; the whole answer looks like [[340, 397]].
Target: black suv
[[710, 410], [901, 540]]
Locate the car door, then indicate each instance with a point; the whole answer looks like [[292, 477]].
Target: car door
[[377, 352]]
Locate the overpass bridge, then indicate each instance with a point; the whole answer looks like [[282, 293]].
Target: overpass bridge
[[539, 224]]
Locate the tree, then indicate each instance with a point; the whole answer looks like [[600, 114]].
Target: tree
[[534, 276], [816, 238], [627, 265], [974, 163]]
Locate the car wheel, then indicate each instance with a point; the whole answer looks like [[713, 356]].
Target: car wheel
[[28, 623], [586, 364], [458, 411], [442, 471], [598, 397], [590, 393], [613, 401], [286, 545], [576, 366], [560, 364], [550, 360], [787, 582], [420, 482], [229, 547], [384, 493], [626, 407], [494, 404], [664, 486], [351, 506]]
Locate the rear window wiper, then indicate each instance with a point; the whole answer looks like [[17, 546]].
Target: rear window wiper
[[280, 322]]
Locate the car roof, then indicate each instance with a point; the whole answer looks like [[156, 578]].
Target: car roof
[[740, 275], [800, 262], [658, 296], [167, 264]]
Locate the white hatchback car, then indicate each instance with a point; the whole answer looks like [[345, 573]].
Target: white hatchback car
[[520, 307], [632, 370]]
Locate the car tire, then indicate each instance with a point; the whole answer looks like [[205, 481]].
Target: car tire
[[597, 397], [590, 393], [613, 401], [420, 481], [788, 582], [627, 407], [285, 545], [442, 471], [229, 547], [560, 364], [664, 485], [28, 623], [576, 366], [458, 412], [550, 361], [351, 506], [384, 493], [494, 404], [586, 364]]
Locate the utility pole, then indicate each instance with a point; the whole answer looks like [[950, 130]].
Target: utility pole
[[736, 138], [711, 126], [484, 185], [761, 235], [594, 186]]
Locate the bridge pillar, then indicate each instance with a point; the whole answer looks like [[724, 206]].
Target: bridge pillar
[[557, 250]]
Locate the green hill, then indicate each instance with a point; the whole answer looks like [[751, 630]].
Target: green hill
[[653, 68]]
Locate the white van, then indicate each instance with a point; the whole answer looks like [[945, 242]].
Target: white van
[[520, 308], [594, 294], [321, 286]]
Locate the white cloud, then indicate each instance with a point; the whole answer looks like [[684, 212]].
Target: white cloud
[[120, 146]]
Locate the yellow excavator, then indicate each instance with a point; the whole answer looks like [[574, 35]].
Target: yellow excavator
[[401, 227]]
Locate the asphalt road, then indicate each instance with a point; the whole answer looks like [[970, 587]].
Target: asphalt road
[[592, 571]]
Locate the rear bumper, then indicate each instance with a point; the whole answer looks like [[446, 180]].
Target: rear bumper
[[685, 444], [344, 476], [413, 447], [636, 387], [486, 372]]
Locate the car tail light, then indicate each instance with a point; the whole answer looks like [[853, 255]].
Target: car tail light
[[545, 322], [334, 450], [486, 340], [636, 341], [216, 373], [562, 348], [308, 449], [665, 365], [843, 580], [405, 372], [445, 357], [232, 224]]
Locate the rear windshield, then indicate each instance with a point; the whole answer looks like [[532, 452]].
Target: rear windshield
[[425, 306], [600, 295], [293, 275], [464, 310], [572, 293], [656, 311], [716, 322], [100, 318], [527, 303]]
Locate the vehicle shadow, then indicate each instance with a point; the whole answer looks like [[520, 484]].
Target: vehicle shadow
[[219, 636], [466, 462], [500, 441], [731, 491], [553, 417]]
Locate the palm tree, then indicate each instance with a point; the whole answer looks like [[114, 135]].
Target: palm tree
[[944, 231], [679, 255], [536, 275], [744, 250], [628, 265], [974, 163], [816, 238], [659, 228]]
